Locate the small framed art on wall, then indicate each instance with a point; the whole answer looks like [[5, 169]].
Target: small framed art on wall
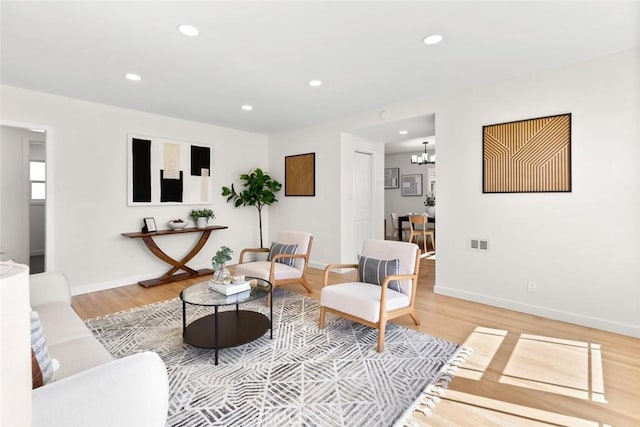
[[412, 184]]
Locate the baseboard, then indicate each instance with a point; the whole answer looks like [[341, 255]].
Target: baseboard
[[111, 284], [536, 310], [317, 265], [126, 281]]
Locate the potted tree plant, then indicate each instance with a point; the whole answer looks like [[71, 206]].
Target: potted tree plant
[[201, 217], [259, 190]]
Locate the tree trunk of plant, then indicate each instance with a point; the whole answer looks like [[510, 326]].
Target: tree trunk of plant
[[260, 222]]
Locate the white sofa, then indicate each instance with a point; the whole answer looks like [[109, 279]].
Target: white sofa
[[91, 388]]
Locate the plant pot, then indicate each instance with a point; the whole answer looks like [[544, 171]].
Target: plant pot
[[431, 211], [202, 222]]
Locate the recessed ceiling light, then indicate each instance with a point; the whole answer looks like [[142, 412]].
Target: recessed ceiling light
[[188, 30], [37, 130], [403, 132], [432, 39], [247, 107], [315, 83], [133, 77]]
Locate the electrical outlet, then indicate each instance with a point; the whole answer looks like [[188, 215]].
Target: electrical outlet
[[532, 287]]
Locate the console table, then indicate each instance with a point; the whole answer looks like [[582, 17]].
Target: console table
[[170, 275]]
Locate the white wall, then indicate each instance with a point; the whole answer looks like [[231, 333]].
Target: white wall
[[327, 215], [14, 227], [319, 215], [88, 165], [15, 215], [582, 248]]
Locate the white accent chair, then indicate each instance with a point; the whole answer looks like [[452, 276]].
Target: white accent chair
[[276, 272], [372, 304]]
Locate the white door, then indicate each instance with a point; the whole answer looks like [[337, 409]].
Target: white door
[[362, 199]]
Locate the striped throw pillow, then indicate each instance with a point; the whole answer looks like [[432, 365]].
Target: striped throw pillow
[[281, 248], [39, 347], [373, 270]]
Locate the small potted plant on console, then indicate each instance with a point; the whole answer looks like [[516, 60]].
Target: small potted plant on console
[[201, 217]]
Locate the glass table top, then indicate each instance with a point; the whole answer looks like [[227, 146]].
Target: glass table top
[[200, 294]]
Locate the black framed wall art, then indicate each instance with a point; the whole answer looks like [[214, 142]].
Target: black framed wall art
[[411, 185], [391, 178], [527, 156], [300, 175], [162, 171]]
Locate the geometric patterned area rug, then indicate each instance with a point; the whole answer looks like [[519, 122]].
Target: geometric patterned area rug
[[303, 376]]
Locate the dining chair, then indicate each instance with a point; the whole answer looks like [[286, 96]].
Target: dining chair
[[418, 225], [385, 289], [394, 224]]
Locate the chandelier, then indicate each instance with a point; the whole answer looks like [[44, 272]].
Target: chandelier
[[423, 158]]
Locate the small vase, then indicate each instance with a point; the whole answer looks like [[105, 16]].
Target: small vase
[[202, 222], [431, 211], [222, 275]]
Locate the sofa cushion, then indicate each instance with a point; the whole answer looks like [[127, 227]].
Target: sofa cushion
[[374, 271], [78, 355], [61, 323], [261, 269], [281, 248], [361, 299]]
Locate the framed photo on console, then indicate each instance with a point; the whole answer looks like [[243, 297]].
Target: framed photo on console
[[149, 225]]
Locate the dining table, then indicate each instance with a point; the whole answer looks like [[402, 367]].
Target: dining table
[[405, 218]]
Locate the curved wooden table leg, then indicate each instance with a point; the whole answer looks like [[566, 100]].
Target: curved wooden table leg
[[170, 275], [177, 265]]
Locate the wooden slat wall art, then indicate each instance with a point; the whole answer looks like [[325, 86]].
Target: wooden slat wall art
[[300, 175], [527, 156]]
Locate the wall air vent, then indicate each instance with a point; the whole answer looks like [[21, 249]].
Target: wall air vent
[[479, 245]]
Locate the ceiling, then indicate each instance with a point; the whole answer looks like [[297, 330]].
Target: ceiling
[[368, 55], [419, 129]]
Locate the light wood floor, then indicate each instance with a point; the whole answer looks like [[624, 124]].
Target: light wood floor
[[525, 370]]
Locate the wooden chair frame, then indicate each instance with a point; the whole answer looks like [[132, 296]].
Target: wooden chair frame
[[421, 219], [277, 282], [384, 314]]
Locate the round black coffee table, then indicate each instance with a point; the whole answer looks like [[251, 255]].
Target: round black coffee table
[[226, 328]]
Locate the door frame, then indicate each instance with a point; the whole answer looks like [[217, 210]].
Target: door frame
[[371, 184], [49, 236]]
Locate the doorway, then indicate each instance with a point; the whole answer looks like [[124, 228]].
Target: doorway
[[362, 198], [23, 196]]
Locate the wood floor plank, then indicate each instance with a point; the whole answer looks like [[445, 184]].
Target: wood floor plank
[[480, 396]]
